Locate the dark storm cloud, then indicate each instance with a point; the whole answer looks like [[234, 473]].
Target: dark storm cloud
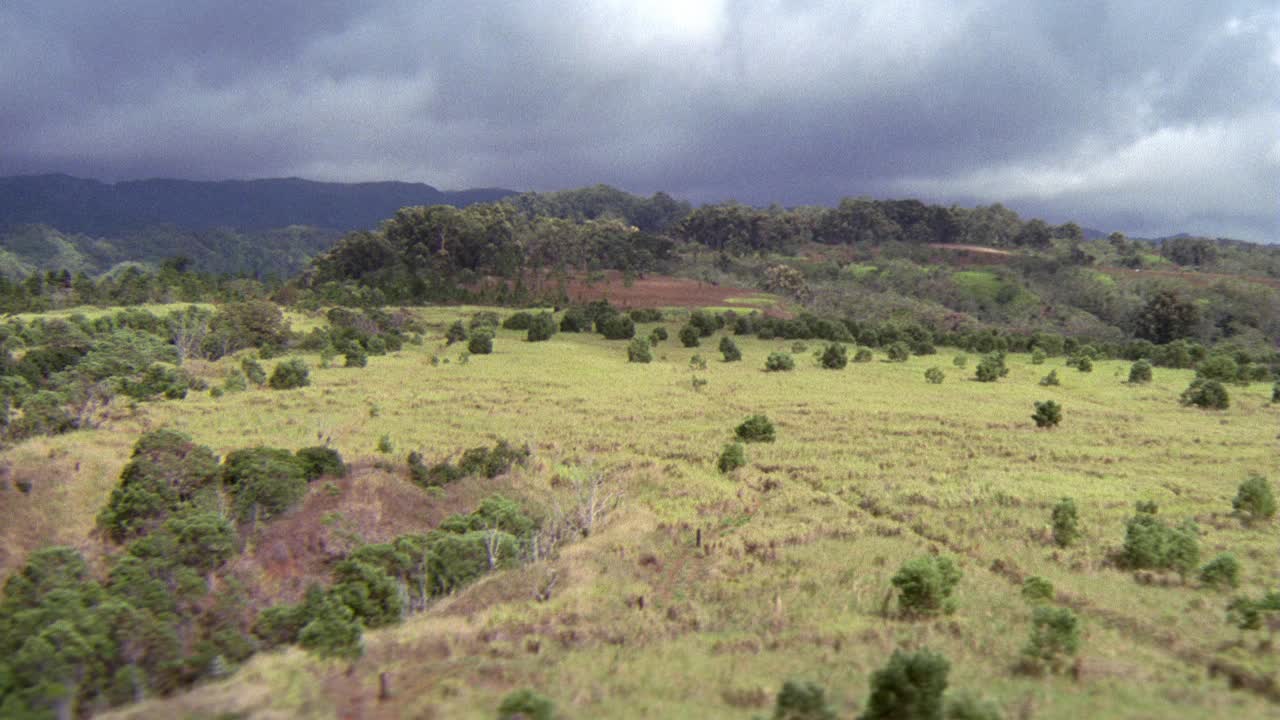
[[1149, 118]]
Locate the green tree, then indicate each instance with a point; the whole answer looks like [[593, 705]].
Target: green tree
[[638, 351], [290, 374], [730, 350], [456, 333], [263, 482], [1066, 523], [541, 327], [732, 457], [1048, 414], [1254, 500], [779, 362], [481, 343], [1140, 373], [925, 585], [1221, 572], [910, 686], [689, 336], [834, 357], [898, 352], [333, 632], [1208, 394], [756, 428], [802, 701], [1165, 318]]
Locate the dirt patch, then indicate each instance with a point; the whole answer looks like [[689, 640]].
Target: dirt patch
[[663, 291], [971, 254]]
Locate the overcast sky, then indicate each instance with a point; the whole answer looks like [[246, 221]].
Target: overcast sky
[[1150, 118]]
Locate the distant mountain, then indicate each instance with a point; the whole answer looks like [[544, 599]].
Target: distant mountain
[[77, 205]]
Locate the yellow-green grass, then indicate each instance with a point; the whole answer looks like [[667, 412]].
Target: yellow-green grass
[[872, 466]]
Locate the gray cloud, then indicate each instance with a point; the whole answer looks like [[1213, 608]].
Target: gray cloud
[[1145, 117]]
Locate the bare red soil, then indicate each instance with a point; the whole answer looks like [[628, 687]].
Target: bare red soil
[[654, 291]]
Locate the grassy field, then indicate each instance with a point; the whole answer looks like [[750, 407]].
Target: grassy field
[[872, 466]]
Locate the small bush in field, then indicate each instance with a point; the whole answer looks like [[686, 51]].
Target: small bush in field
[[756, 428], [779, 362], [925, 585], [290, 374], [834, 357], [1048, 414], [638, 351], [730, 350], [934, 375], [732, 457], [481, 343]]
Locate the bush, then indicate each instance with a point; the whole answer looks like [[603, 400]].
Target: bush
[[646, 315], [968, 707], [1222, 368], [1275, 393], [481, 343], [1066, 523], [1048, 414], [925, 585], [518, 321], [756, 428], [1140, 373], [526, 704], [1055, 639], [991, 367], [638, 351], [483, 319], [779, 362], [575, 319], [834, 357], [356, 357], [658, 335], [1152, 545], [863, 355], [802, 701], [1254, 500], [910, 686], [1084, 364], [689, 336], [263, 481], [934, 375], [617, 327], [456, 333], [960, 360], [732, 457], [1209, 394], [1050, 380], [1222, 572], [1037, 357], [704, 322], [541, 328], [898, 352], [333, 633], [318, 461], [1036, 589], [290, 374], [253, 370], [729, 349]]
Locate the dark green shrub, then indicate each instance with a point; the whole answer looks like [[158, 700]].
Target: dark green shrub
[[456, 333], [1048, 414], [541, 328], [638, 351], [481, 343], [376, 346], [1036, 589], [1066, 523], [834, 357], [371, 593], [863, 355], [991, 367], [1054, 641], [898, 352], [166, 472], [253, 370], [290, 374], [925, 585], [318, 461], [1209, 394], [779, 362], [689, 336], [1254, 500], [1150, 544], [575, 319], [729, 349], [646, 315], [756, 428], [1083, 363], [281, 624], [934, 376], [483, 319], [1275, 393], [355, 357], [1037, 357], [1222, 368], [385, 446], [333, 632], [263, 481], [617, 327], [235, 381], [1050, 380], [802, 701], [732, 457], [704, 322], [909, 687], [1140, 373], [1222, 572], [658, 335], [526, 704], [518, 321], [969, 707]]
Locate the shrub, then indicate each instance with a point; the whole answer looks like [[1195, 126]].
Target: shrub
[[1222, 368], [991, 367], [1055, 638], [1084, 363], [910, 686], [1036, 589], [960, 360], [371, 593], [1275, 393], [1050, 380], [518, 321], [925, 585], [729, 349], [689, 336], [969, 707], [318, 461], [1140, 373], [456, 333], [697, 362], [704, 322], [863, 355], [658, 335], [617, 327], [1221, 572], [646, 315], [575, 319], [235, 381], [638, 351], [1254, 500], [1037, 357], [1048, 414], [333, 633], [526, 704], [898, 352], [834, 357], [934, 375], [483, 319], [481, 343], [1066, 523], [356, 357], [290, 374], [802, 701], [253, 370], [1150, 544], [263, 481], [779, 362], [756, 428], [732, 457], [1209, 394], [541, 328]]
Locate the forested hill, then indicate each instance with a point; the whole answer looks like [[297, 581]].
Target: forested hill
[[77, 205]]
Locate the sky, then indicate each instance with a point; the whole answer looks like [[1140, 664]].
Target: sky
[[1145, 117]]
